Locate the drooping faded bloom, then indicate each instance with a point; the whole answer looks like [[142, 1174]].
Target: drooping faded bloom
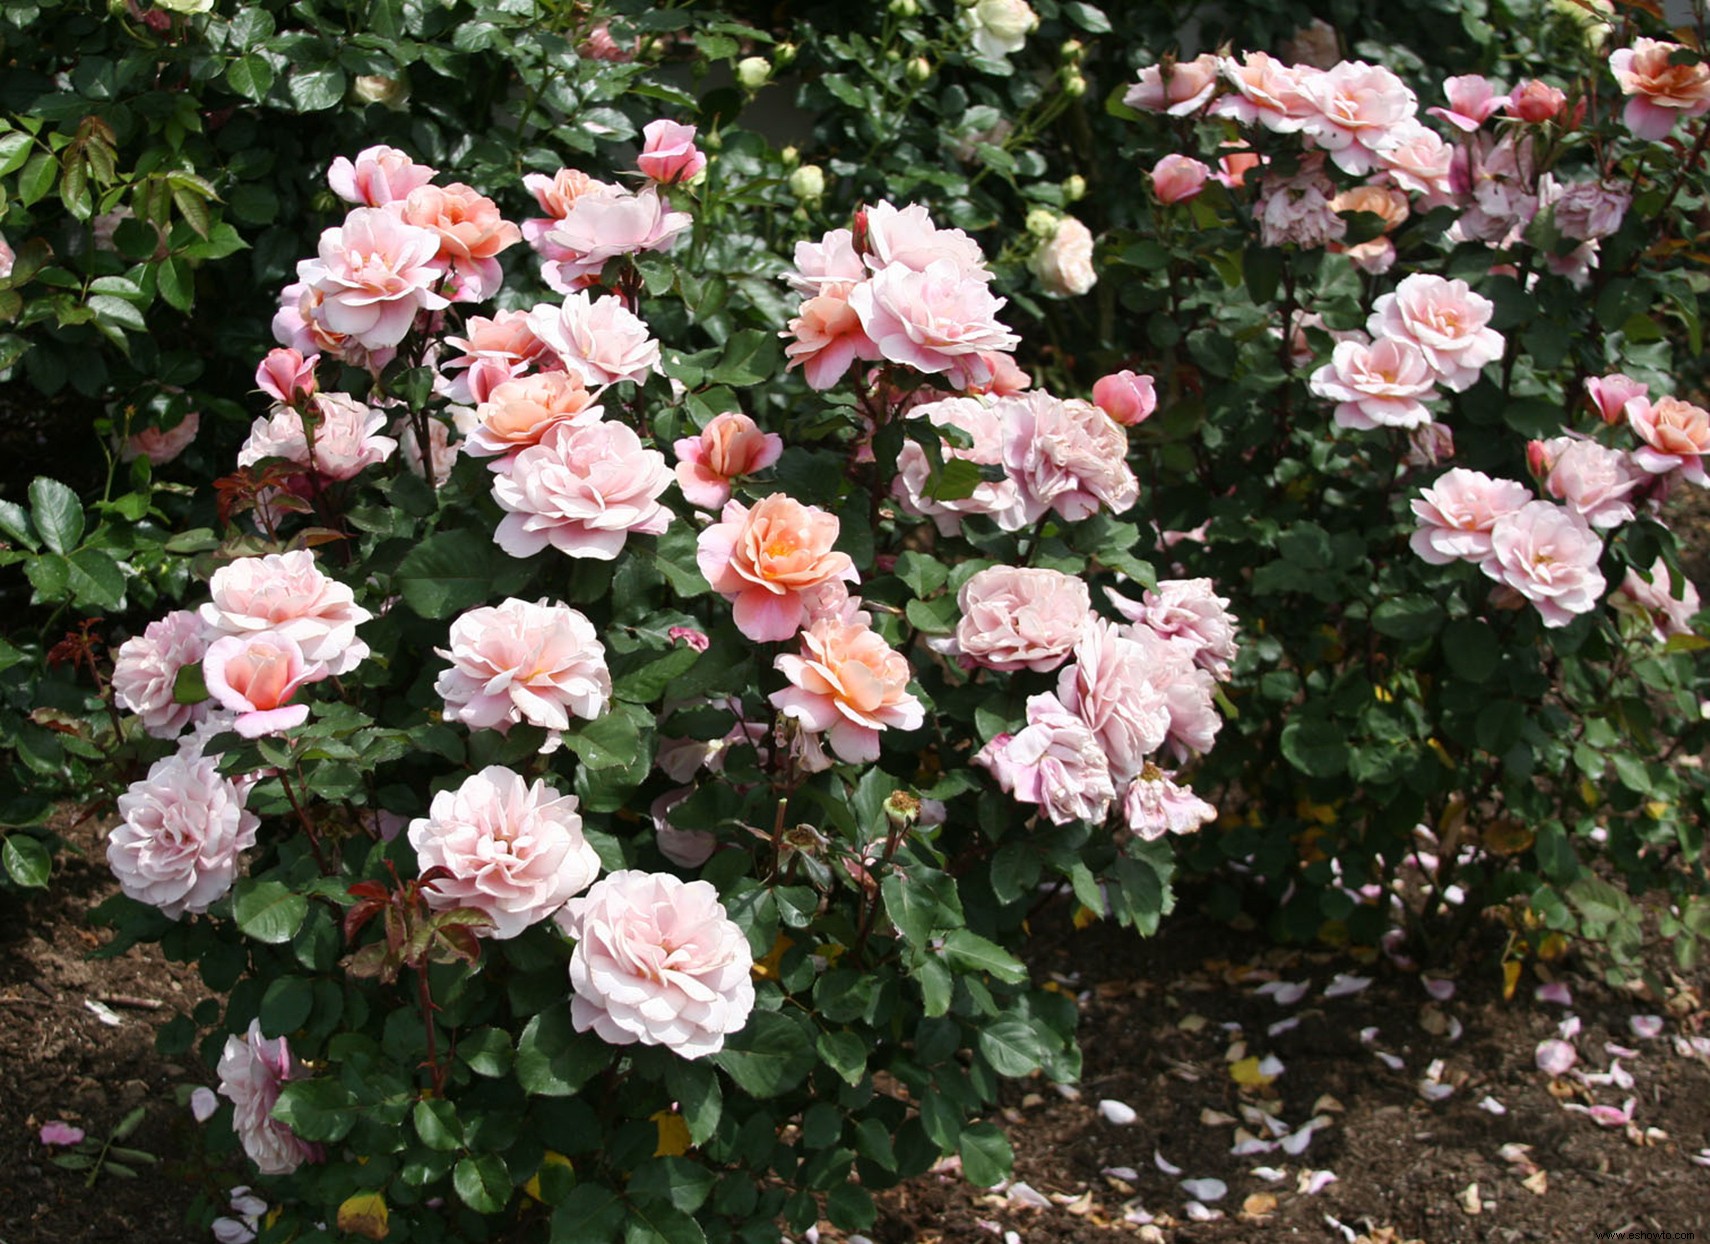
[[1191, 616], [252, 1069], [181, 830], [657, 961], [1154, 805], [514, 851], [1054, 761], [1651, 596], [1065, 456], [764, 559], [539, 663]]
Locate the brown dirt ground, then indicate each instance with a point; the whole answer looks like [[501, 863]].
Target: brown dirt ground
[[1402, 1164]]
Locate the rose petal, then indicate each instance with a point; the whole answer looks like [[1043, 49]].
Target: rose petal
[[1119, 1113], [1555, 1057]]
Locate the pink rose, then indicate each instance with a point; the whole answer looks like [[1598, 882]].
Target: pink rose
[[1178, 178], [1017, 617], [763, 561], [471, 234], [1153, 805], [1430, 445], [1659, 91], [1456, 515], [442, 454], [848, 684], [494, 351], [906, 237], [346, 441], [932, 319], [1652, 598], [1534, 101], [1190, 616], [8, 259], [583, 489], [515, 662], [1115, 686], [300, 325], [374, 274], [161, 446], [1174, 88], [1126, 397], [380, 175], [1232, 169], [1355, 109], [658, 962], [984, 423], [1473, 100], [729, 447], [599, 45], [825, 338], [514, 851], [146, 671], [1384, 384], [1065, 456], [1419, 161], [1584, 210], [181, 829], [669, 154], [1595, 481], [1610, 394], [1549, 555], [1296, 210], [255, 677], [831, 265], [1676, 436], [519, 413], [252, 1069], [286, 594], [287, 376], [1446, 320], [599, 339], [1063, 264], [1266, 91], [604, 223], [1054, 761], [555, 194]]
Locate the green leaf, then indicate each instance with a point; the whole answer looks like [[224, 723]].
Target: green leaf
[[250, 76], [447, 573], [15, 149], [1012, 1047], [850, 1207], [1088, 17], [316, 90], [36, 181], [920, 903], [1316, 748], [610, 741], [661, 1224], [970, 952], [923, 574], [437, 1124], [286, 1005], [319, 1109], [176, 282], [1408, 618], [96, 579], [268, 911], [986, 1156], [56, 513], [1598, 901], [845, 1053], [553, 1060], [771, 1055], [27, 861], [487, 1051], [591, 1214], [668, 1181], [646, 683], [483, 1182], [695, 1087]]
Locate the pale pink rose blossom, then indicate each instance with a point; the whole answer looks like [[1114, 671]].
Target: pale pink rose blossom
[[471, 235], [729, 447], [1473, 100], [58, 1132], [984, 424], [1583, 210], [1659, 92], [1548, 554], [1355, 109], [1456, 515], [764, 559], [8, 259], [298, 325], [1115, 687], [1500, 177], [599, 339], [932, 319], [1054, 761], [1018, 617], [1266, 91], [832, 265], [252, 1069], [1065, 456], [1154, 805], [1610, 394], [346, 441], [991, 374], [287, 376], [442, 453], [847, 684], [494, 351], [146, 671], [1189, 692], [287, 594], [1178, 178], [538, 663], [1676, 436], [657, 961], [1232, 169], [1126, 397], [601, 225], [1296, 209], [374, 274], [256, 676], [583, 489], [1174, 88], [555, 194], [1063, 264], [161, 446], [825, 337], [181, 829], [906, 237], [1446, 320], [515, 852], [1382, 385], [519, 413], [1653, 599], [1191, 616], [1534, 101], [379, 175], [1420, 162], [669, 154], [1595, 481]]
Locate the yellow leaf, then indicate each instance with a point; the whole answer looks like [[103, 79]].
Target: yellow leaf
[[767, 968], [1506, 836], [1084, 917], [1442, 753], [1553, 947], [1383, 695], [1246, 1073], [1510, 979], [365, 1214], [552, 1158], [673, 1135], [1656, 809]]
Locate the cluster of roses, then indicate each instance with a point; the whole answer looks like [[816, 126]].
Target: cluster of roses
[[1363, 119], [1547, 553]]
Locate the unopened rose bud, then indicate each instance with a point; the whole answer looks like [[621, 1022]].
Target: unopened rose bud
[[1042, 223], [1072, 49], [753, 72], [791, 156], [902, 809], [904, 8], [808, 182], [1074, 83], [919, 70], [1074, 188], [374, 88], [784, 55], [1537, 459]]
